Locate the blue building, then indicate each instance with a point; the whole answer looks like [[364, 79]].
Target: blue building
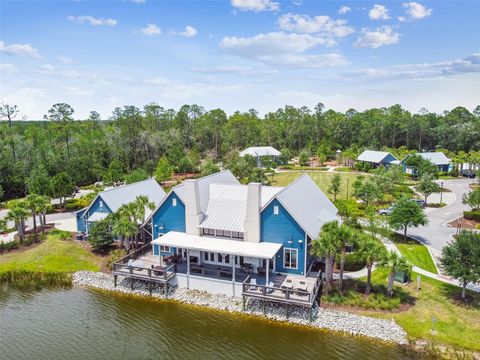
[[377, 158], [439, 159], [215, 221], [109, 201]]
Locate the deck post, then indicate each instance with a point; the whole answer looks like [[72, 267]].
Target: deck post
[[264, 307], [115, 280], [150, 288], [243, 298], [131, 283], [286, 311], [310, 314], [188, 269], [267, 272], [233, 273], [165, 289]]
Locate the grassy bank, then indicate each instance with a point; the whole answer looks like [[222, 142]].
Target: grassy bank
[[456, 323], [322, 179], [49, 262]]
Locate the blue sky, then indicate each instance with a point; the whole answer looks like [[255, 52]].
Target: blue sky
[[239, 54]]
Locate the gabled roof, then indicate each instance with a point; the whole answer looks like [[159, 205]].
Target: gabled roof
[[374, 156], [227, 206], [122, 195], [260, 151], [436, 158], [222, 177], [307, 204]]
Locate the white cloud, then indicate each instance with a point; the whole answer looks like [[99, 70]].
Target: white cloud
[[150, 30], [25, 50], [47, 68], [467, 65], [139, 1], [344, 10], [271, 44], [189, 31], [383, 35], [65, 60], [416, 10], [378, 12], [323, 25], [297, 2], [92, 20], [255, 5], [8, 68], [309, 61], [401, 18]]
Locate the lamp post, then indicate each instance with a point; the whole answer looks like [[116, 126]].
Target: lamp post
[[441, 192]]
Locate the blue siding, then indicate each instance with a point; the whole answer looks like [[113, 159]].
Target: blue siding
[[97, 207], [80, 221], [388, 159], [172, 218], [280, 229]]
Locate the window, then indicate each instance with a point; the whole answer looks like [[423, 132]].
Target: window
[[164, 248], [290, 258], [227, 234], [212, 257], [220, 257], [227, 259], [205, 256], [100, 203], [174, 202], [275, 210], [237, 235]]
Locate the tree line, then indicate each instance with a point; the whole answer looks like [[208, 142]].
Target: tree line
[[132, 140]]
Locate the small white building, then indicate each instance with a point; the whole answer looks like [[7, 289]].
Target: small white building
[[259, 152]]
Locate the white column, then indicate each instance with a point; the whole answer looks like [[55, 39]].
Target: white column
[[267, 272], [233, 273], [188, 269]]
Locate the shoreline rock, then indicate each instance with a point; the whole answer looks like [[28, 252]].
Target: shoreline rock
[[339, 321]]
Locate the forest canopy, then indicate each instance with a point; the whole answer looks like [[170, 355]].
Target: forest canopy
[[134, 139]]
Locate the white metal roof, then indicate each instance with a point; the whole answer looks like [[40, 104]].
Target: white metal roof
[[373, 156], [97, 216], [436, 158], [260, 151], [308, 205], [116, 197], [227, 206], [222, 177], [263, 250]]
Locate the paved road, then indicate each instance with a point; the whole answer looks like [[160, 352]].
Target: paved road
[[436, 234]]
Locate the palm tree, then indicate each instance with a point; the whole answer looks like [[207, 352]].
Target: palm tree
[[371, 251], [141, 204], [124, 228], [43, 205], [346, 236], [393, 262], [32, 203], [326, 245], [18, 213]]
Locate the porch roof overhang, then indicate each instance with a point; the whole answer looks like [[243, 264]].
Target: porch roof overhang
[[261, 250], [97, 216]]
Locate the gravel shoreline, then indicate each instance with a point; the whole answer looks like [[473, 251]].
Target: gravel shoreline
[[380, 329]]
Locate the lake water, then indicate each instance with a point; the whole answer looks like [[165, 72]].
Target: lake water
[[86, 324]]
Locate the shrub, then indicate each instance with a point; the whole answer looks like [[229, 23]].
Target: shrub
[[8, 246], [353, 262], [24, 279], [100, 236], [472, 215]]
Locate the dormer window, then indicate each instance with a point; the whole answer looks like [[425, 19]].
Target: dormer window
[[174, 202], [101, 203], [276, 210]]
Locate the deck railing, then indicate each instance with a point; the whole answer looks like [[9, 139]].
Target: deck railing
[[135, 254], [278, 293]]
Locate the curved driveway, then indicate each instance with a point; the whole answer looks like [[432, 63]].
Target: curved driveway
[[436, 234]]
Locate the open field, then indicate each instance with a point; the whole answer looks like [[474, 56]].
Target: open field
[[322, 179]]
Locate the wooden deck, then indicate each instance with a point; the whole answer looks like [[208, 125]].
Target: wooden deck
[[143, 265], [288, 290]]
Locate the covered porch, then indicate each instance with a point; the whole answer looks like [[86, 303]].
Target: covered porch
[[217, 258]]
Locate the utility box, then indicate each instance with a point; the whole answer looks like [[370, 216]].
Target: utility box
[[402, 276]]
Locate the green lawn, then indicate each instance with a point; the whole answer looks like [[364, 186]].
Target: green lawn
[[418, 255], [58, 253], [322, 179], [456, 324]]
